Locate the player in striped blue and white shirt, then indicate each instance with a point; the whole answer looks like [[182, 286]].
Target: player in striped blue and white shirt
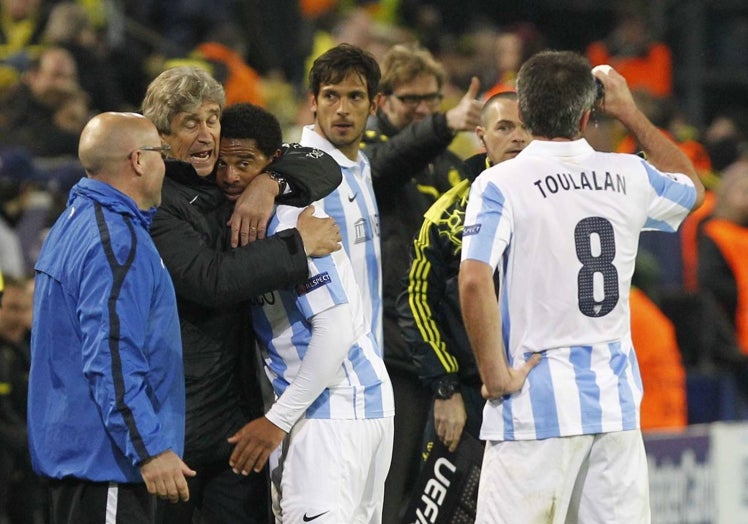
[[343, 83], [562, 222], [334, 408]]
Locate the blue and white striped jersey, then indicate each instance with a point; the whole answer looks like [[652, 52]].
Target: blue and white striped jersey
[[354, 208], [361, 388], [562, 221]]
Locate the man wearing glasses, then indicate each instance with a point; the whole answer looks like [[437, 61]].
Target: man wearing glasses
[[163, 150], [406, 142]]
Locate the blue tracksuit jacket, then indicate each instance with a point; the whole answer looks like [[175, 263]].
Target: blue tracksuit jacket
[[106, 387]]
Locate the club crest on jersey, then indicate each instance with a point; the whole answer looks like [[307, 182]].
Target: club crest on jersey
[[314, 153], [471, 230], [314, 282]]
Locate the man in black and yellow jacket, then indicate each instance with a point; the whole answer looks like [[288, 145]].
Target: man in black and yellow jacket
[[429, 310]]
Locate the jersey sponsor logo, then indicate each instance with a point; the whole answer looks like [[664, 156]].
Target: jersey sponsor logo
[[314, 282], [352, 198], [307, 518], [472, 229]]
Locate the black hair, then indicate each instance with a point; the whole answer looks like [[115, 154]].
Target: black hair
[[555, 88], [248, 121], [332, 66]]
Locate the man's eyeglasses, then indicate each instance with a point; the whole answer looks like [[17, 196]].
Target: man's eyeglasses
[[164, 150], [431, 99]]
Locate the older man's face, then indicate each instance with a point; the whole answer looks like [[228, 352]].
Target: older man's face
[[195, 136]]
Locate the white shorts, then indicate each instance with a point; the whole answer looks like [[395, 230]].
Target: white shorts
[[332, 471], [582, 479]]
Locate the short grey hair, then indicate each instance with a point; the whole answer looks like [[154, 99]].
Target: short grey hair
[[183, 88]]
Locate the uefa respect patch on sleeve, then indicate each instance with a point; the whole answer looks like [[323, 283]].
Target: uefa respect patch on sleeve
[[472, 229], [315, 282]]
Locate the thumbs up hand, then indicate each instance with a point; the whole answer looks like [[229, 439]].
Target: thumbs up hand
[[465, 116]]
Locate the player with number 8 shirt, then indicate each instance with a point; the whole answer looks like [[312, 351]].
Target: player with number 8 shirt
[[558, 366]]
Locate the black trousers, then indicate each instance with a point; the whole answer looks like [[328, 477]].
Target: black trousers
[[75, 501], [412, 402], [220, 496]]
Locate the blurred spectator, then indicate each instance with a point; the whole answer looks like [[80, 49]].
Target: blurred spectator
[[69, 27], [25, 208], [676, 254], [225, 49], [73, 111], [185, 24], [726, 136], [663, 375], [20, 489], [27, 117], [632, 50], [21, 26], [723, 250], [689, 233], [12, 163], [513, 46], [278, 37]]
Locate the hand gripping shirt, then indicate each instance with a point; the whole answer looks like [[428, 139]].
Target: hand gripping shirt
[[360, 388], [354, 208], [106, 386], [562, 222]]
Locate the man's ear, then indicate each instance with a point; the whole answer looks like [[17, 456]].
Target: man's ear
[[137, 163], [584, 121], [312, 98], [480, 132], [380, 99]]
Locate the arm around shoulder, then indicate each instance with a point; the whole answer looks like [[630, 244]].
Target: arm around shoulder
[[311, 173], [216, 277]]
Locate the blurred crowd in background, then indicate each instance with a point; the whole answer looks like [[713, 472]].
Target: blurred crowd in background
[[63, 61]]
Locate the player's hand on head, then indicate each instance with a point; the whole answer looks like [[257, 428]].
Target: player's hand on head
[[617, 98], [320, 236]]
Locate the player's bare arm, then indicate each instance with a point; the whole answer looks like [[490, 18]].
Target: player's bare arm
[[483, 324], [660, 151]]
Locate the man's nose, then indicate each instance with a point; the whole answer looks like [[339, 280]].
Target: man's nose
[[232, 174]]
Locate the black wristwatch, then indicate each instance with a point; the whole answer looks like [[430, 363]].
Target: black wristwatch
[[445, 389], [281, 180]]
